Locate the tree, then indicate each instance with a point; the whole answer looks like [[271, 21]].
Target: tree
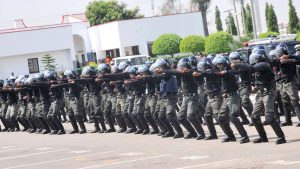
[[267, 12], [99, 12], [48, 62], [168, 7], [249, 24], [231, 28], [192, 44], [218, 21], [202, 7], [166, 44], [272, 23], [293, 25], [219, 42]]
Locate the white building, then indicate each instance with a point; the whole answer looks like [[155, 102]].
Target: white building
[[72, 43], [134, 37], [23, 47]]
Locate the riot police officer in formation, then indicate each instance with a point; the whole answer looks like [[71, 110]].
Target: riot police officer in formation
[[160, 97]]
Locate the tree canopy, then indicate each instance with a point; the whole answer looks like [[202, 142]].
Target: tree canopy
[[293, 25], [192, 44], [272, 23], [99, 12], [231, 28], [166, 44], [219, 42], [249, 24], [218, 20]]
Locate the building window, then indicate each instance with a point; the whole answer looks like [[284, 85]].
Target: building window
[[132, 50], [33, 65], [114, 53]]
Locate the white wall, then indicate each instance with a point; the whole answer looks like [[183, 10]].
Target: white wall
[[134, 32], [19, 63], [104, 37], [37, 40], [141, 31], [81, 28]]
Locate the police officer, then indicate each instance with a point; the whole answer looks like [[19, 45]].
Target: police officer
[[88, 77], [190, 107], [138, 88], [244, 80], [282, 100], [214, 97], [266, 88], [230, 108], [3, 106], [32, 121], [22, 101], [44, 101], [74, 110], [110, 104], [12, 109], [151, 98], [288, 76], [169, 91], [57, 96]]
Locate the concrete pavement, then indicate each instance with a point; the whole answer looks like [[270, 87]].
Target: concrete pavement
[[129, 151]]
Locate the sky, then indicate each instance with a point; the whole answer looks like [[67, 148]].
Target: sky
[[39, 12]]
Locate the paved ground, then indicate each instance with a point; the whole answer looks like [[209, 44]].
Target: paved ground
[[25, 151]]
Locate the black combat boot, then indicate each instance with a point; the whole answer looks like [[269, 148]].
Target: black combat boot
[[4, 122], [211, 129], [144, 124], [225, 125], [240, 128], [74, 125], [178, 129], [59, 126], [153, 125], [278, 131], [111, 124], [121, 123], [81, 125], [261, 131], [187, 125], [169, 129], [96, 125], [199, 129]]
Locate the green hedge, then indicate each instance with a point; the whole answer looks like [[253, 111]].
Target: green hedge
[[219, 42], [267, 34], [192, 44], [166, 44], [298, 36]]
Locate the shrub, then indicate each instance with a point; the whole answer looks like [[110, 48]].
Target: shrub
[[267, 34], [192, 44], [219, 42], [166, 44]]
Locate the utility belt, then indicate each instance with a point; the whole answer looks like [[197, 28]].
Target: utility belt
[[190, 94]]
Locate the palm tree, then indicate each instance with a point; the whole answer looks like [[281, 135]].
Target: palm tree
[[202, 7]]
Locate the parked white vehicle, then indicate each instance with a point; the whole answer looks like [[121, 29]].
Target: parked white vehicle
[[134, 60]]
